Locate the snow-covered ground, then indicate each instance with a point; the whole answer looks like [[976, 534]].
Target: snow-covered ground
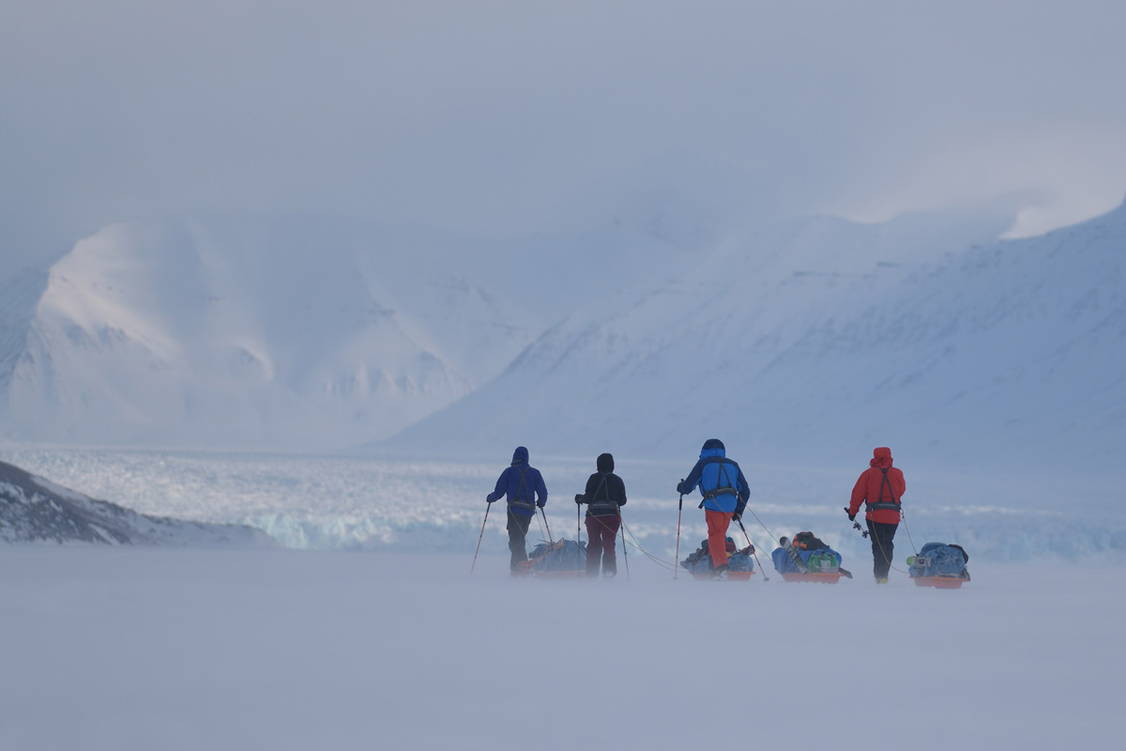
[[123, 649], [415, 505]]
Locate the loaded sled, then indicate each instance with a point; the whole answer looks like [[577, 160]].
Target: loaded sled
[[939, 565], [740, 563], [807, 559], [560, 559]]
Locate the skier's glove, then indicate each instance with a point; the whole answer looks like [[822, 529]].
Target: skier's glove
[[737, 516], [541, 503], [579, 498], [851, 516]]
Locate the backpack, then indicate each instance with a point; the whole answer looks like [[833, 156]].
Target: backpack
[[741, 561], [823, 561], [700, 560], [807, 541], [939, 559]]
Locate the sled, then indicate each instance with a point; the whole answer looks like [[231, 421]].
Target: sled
[[939, 582], [527, 568], [741, 576], [824, 577]]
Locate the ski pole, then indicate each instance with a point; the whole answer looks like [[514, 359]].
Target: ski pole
[[754, 553], [479, 538], [546, 526], [625, 548], [676, 560], [578, 526]]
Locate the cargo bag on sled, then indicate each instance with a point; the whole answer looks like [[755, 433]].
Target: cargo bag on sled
[[939, 565], [740, 563], [559, 558], [806, 558]]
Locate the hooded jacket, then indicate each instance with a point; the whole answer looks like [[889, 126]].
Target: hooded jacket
[[522, 483], [882, 497], [720, 480], [605, 491]]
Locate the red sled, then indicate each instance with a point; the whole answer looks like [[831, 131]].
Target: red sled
[[824, 577], [939, 582]]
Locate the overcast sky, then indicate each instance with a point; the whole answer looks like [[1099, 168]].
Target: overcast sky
[[512, 116]]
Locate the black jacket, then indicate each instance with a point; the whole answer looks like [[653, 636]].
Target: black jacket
[[605, 491]]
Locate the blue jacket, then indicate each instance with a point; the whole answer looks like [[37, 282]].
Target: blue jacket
[[715, 472], [522, 483]]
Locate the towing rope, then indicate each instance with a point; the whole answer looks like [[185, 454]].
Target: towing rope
[[760, 522], [634, 541]]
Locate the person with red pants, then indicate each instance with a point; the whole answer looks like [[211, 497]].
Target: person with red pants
[[725, 492], [881, 487], [605, 495]]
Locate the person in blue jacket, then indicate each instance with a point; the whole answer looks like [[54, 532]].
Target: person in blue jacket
[[725, 492], [524, 486]]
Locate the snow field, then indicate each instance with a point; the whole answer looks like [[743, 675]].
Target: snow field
[[140, 649]]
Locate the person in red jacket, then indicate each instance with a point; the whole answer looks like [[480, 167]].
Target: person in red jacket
[[881, 487]]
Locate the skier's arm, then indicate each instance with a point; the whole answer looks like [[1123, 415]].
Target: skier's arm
[[622, 488], [692, 480], [501, 488], [743, 488], [859, 492], [541, 490], [900, 484], [591, 489]]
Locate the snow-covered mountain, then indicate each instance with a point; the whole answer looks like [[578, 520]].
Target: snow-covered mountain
[[821, 338], [290, 332], [818, 334], [35, 510], [241, 334]]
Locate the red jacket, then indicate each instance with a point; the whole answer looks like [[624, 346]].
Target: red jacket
[[870, 488]]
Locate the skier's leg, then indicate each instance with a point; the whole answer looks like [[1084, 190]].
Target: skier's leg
[[877, 554], [718, 522], [593, 545], [517, 531], [883, 549], [609, 537], [887, 536]]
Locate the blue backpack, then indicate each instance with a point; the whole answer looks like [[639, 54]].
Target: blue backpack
[[790, 560], [939, 559], [741, 562]]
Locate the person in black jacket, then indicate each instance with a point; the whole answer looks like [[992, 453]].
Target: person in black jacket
[[605, 495]]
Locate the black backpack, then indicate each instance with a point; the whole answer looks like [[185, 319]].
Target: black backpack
[[806, 541]]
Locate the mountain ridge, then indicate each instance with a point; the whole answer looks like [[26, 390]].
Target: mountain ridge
[[805, 369], [33, 509]]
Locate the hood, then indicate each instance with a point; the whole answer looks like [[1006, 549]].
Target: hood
[[712, 447], [605, 463], [881, 457], [520, 455]]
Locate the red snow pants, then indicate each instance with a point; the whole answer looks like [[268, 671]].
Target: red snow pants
[[718, 522], [601, 532]]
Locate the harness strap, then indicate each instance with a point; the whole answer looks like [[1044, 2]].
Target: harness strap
[[720, 490], [604, 504], [881, 504]]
